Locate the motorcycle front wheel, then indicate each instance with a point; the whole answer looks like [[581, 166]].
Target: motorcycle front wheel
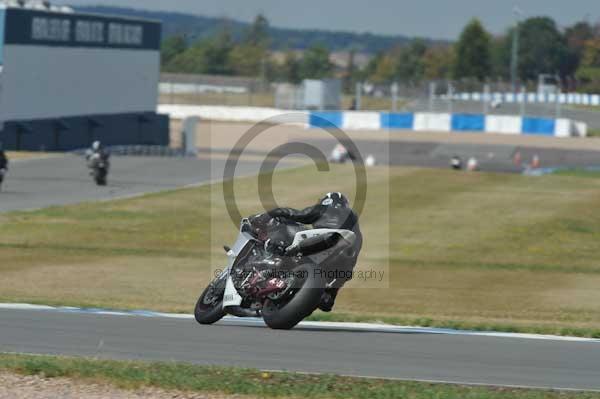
[[100, 177], [300, 302], [209, 308]]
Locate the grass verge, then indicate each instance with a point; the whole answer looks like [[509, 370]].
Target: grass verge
[[184, 377], [368, 103], [579, 173], [594, 133]]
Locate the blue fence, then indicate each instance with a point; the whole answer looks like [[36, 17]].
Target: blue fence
[[439, 122], [539, 126], [326, 119], [468, 123], [397, 121]]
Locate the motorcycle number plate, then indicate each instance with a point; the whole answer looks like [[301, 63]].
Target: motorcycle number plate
[[231, 296]]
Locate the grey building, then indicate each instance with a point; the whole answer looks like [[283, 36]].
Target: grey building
[[67, 79]]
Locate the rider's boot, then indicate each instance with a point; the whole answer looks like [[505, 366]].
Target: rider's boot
[[328, 299]]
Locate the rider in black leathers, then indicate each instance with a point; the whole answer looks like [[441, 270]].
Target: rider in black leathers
[[3, 159], [332, 212], [3, 163]]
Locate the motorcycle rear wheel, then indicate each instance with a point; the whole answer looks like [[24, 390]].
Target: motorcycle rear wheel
[[209, 308], [100, 178], [285, 314]]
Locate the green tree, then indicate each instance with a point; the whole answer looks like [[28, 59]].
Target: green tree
[[250, 57], [171, 48], [369, 70], [473, 58], [588, 73], [216, 53], [542, 49], [350, 73], [385, 69], [209, 56], [290, 70], [315, 63], [190, 61], [409, 64], [500, 54], [247, 60], [437, 62], [258, 33], [591, 53], [577, 36]]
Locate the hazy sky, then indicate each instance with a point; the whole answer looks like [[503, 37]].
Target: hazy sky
[[432, 18]]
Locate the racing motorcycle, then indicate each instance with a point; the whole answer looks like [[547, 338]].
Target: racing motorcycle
[[340, 154], [275, 271], [2, 175], [98, 165]]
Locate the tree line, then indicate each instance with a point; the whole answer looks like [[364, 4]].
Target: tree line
[[571, 54], [250, 56]]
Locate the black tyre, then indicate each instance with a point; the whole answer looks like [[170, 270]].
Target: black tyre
[[209, 308], [302, 300], [100, 177]]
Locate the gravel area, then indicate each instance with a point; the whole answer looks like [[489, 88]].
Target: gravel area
[[13, 386]]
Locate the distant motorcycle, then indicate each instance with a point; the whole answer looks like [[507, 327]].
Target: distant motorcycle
[[99, 166], [340, 154], [286, 291], [2, 175], [3, 165], [456, 163]]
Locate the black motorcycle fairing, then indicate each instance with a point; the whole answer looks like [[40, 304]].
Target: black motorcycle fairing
[[282, 234], [315, 245]]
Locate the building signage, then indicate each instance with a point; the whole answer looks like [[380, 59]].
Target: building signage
[[51, 28]]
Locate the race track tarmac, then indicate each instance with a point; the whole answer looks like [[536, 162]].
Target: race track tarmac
[[455, 358], [62, 180]]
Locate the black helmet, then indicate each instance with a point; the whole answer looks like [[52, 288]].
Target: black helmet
[[336, 200]]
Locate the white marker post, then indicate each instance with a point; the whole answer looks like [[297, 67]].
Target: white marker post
[[394, 90], [188, 136]]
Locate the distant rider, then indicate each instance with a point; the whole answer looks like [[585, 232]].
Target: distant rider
[[96, 152], [3, 159], [332, 212], [3, 163], [456, 163], [340, 154]]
